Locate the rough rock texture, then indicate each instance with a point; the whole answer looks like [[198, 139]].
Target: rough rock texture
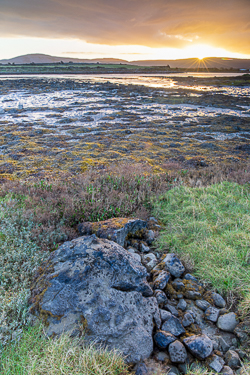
[[232, 359], [227, 322], [174, 326], [163, 339], [173, 265], [200, 346], [95, 285], [177, 352], [116, 229], [217, 363]]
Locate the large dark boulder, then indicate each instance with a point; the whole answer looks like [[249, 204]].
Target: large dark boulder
[[95, 286]]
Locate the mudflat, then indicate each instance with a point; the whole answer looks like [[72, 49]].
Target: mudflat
[[59, 124]]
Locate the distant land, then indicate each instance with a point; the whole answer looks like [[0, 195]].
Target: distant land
[[191, 63]]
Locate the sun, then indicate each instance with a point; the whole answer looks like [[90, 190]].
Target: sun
[[200, 51]]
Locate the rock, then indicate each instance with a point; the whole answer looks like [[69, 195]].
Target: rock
[[232, 359], [151, 264], [223, 344], [202, 304], [150, 237], [174, 326], [177, 352], [227, 322], [144, 248], [217, 363], [187, 320], [199, 345], [161, 280], [191, 294], [218, 300], [97, 286], [241, 331], [141, 369], [188, 276], [227, 371], [136, 256], [182, 305], [163, 339], [178, 284], [173, 265], [165, 315], [161, 297], [212, 314], [172, 309], [149, 257], [116, 229], [131, 250], [2, 111]]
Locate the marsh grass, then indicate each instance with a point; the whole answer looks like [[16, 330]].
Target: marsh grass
[[35, 354], [210, 228]]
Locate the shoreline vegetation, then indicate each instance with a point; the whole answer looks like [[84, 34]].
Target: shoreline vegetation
[[38, 215]]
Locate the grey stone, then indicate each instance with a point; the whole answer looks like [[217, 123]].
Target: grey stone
[[97, 284], [131, 250], [148, 257], [187, 320], [227, 371], [161, 297], [144, 248], [177, 352], [182, 305], [217, 363], [163, 339], [151, 264], [161, 280], [192, 294], [165, 315], [218, 300], [116, 229], [173, 265], [223, 344], [137, 256], [232, 359], [141, 369], [202, 304], [199, 345], [212, 314], [227, 322], [178, 284], [188, 276], [172, 309], [174, 326], [150, 237]]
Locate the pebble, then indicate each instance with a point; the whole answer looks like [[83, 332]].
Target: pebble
[[182, 305], [148, 257], [199, 345], [227, 371], [173, 265], [218, 300], [161, 297], [232, 359], [202, 304], [150, 237], [227, 322], [137, 257], [172, 309], [152, 264], [217, 363], [162, 357], [165, 315], [212, 314], [188, 276], [174, 326], [163, 339], [162, 279], [144, 248], [223, 344], [187, 320], [177, 352]]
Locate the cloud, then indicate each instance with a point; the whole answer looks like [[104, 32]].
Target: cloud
[[158, 23]]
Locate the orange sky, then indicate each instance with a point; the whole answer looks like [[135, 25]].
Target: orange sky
[[128, 29]]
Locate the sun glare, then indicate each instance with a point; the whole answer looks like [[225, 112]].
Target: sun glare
[[201, 51]]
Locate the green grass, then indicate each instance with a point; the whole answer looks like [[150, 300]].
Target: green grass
[[210, 228], [35, 354]]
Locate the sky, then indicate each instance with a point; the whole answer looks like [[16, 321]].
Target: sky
[[125, 29]]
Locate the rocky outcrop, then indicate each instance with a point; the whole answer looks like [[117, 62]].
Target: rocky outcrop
[[96, 286]]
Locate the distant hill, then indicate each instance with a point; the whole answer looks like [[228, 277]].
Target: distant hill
[[208, 62]]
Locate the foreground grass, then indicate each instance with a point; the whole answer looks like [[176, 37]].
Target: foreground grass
[[35, 354], [210, 228]]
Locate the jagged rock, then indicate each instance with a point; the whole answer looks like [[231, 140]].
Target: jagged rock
[[223, 344], [161, 280], [212, 314], [217, 363], [227, 371], [177, 352], [227, 322], [165, 315], [174, 326], [161, 297], [218, 300], [202, 304], [172, 310], [187, 320], [232, 359], [199, 345], [163, 339], [182, 304], [116, 229], [173, 265], [95, 285]]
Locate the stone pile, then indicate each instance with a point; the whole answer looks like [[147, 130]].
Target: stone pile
[[129, 297]]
